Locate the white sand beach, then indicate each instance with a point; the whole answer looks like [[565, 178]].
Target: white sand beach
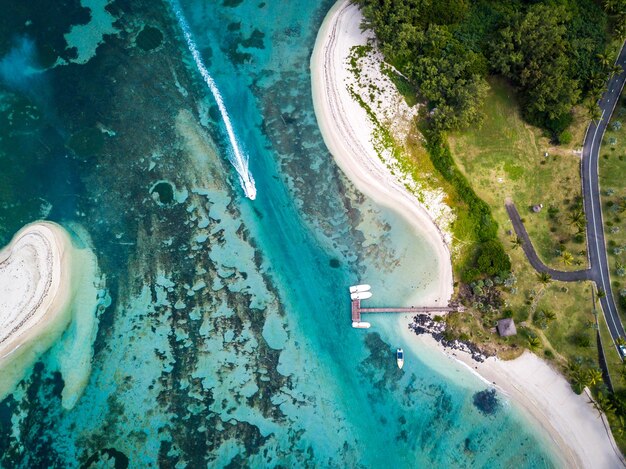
[[34, 284], [42, 277], [347, 132], [579, 434]]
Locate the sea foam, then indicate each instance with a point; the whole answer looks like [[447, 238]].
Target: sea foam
[[237, 157]]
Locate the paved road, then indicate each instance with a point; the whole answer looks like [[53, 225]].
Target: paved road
[[532, 256], [591, 193]]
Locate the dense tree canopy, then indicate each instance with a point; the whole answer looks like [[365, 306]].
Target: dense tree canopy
[[552, 51]]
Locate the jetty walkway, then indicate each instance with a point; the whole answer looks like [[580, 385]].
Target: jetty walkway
[[357, 310]]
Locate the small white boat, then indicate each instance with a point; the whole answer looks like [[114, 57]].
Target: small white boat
[[361, 325], [400, 358], [361, 295], [359, 288]]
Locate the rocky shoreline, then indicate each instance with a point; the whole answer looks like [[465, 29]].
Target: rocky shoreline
[[425, 324]]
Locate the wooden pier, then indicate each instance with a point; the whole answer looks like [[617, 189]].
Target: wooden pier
[[357, 310]]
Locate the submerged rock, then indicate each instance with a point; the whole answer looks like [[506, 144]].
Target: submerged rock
[[487, 401]]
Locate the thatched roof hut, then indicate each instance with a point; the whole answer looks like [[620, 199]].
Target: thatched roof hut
[[506, 327]]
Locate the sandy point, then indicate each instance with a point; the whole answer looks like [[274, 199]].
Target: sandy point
[[43, 277]]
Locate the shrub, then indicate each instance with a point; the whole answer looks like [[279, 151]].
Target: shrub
[[565, 137], [479, 214], [492, 259], [581, 339], [471, 274], [539, 319]]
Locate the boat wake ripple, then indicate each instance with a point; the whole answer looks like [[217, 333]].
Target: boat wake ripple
[[237, 157]]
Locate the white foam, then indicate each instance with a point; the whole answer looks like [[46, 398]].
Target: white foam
[[238, 158]]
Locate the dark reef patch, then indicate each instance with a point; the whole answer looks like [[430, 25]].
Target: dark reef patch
[[105, 457], [487, 401], [334, 263], [232, 3], [163, 193], [255, 40], [45, 22], [149, 38]]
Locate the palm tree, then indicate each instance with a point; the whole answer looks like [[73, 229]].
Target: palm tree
[[534, 342], [567, 258], [620, 28], [594, 376], [578, 377], [596, 84], [605, 59], [620, 424], [603, 403], [544, 277], [609, 5], [577, 218], [594, 111], [601, 293], [517, 242], [550, 316], [614, 70]]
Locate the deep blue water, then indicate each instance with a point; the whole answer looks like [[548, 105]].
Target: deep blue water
[[228, 339]]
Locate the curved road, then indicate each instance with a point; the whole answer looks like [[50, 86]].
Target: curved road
[[531, 254], [596, 245]]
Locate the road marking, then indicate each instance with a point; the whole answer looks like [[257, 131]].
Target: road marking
[[593, 142]]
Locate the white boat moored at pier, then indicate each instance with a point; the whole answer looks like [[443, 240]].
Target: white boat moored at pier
[[361, 295], [359, 288], [361, 325]]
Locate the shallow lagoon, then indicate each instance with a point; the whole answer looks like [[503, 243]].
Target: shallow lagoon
[[228, 337]]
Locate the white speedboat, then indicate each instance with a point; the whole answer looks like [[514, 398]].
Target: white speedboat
[[359, 288], [400, 358], [361, 325], [361, 295]]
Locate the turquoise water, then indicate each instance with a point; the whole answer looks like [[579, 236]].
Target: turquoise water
[[228, 339]]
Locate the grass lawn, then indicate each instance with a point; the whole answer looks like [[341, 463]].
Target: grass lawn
[[505, 158], [613, 194]]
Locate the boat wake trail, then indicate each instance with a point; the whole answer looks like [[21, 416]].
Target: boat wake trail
[[237, 157]]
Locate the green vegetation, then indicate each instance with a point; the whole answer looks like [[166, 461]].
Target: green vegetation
[[548, 50], [505, 158], [509, 88], [482, 253]]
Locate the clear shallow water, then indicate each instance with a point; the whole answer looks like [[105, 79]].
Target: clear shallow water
[[228, 338]]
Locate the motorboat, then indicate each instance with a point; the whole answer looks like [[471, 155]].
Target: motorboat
[[361, 325], [400, 358], [361, 295], [359, 288]]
